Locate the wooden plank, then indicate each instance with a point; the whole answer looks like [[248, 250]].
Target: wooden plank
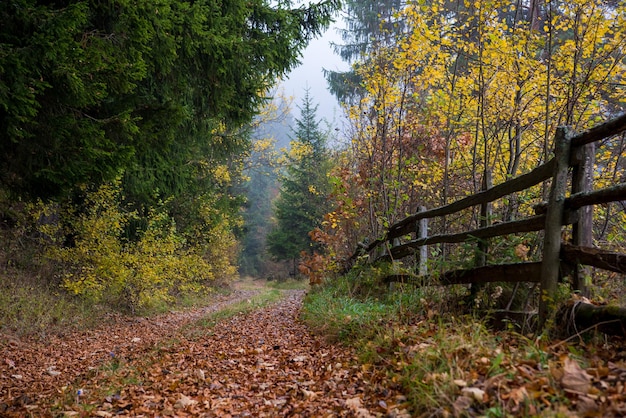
[[534, 223], [406, 226], [607, 129], [606, 318], [422, 232], [511, 273], [597, 197], [554, 220], [595, 257], [536, 176]]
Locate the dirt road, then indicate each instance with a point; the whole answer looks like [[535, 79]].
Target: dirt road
[[263, 363]]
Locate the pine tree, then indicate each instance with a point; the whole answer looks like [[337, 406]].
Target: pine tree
[[304, 190]]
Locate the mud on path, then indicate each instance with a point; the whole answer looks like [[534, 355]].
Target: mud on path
[[264, 363]]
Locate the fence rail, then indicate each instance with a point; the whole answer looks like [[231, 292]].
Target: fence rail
[[575, 152]]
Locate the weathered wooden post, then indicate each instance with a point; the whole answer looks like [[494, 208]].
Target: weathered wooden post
[[582, 230], [422, 255], [554, 220], [480, 255]]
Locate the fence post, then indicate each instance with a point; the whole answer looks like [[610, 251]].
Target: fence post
[[480, 256], [554, 219], [422, 255], [582, 230]]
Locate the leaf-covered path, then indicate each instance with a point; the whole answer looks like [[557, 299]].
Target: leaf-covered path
[[264, 363]]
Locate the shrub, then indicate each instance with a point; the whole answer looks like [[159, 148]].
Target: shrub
[[102, 266]]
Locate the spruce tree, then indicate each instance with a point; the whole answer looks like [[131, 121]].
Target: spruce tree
[[93, 88], [304, 190], [370, 24]]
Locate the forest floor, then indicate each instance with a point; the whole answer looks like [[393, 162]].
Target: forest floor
[[245, 354]]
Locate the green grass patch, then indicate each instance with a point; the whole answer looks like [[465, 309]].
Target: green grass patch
[[261, 300], [289, 284]]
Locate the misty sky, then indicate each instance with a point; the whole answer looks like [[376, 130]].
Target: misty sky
[[319, 55]]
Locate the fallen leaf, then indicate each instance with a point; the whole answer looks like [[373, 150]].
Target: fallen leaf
[[519, 395], [475, 393], [308, 394], [353, 403], [586, 406], [184, 401], [521, 251], [52, 372], [574, 377], [461, 405], [460, 383]]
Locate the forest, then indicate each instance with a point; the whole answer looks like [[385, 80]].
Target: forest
[[152, 170]]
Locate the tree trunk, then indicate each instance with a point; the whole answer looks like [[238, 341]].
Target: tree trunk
[[578, 316]]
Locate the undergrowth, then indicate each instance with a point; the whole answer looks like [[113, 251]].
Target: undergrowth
[[447, 362], [33, 309]]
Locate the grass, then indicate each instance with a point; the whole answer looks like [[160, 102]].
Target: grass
[[203, 325], [433, 351], [35, 309], [289, 284]]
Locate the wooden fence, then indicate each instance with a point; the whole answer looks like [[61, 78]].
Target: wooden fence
[[571, 151]]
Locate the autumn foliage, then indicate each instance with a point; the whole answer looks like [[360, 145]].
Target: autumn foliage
[[468, 90], [103, 264]]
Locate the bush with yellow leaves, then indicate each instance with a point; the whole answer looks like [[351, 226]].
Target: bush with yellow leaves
[[104, 266]]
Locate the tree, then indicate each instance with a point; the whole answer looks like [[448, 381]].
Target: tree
[[271, 132], [151, 99], [371, 24], [467, 90], [91, 88], [303, 198]]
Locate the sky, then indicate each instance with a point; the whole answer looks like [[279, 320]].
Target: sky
[[318, 56]]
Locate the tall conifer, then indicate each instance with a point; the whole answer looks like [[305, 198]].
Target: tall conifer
[[304, 190]]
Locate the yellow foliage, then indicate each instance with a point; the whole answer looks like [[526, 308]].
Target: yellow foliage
[[221, 174], [104, 267], [299, 151], [477, 89]]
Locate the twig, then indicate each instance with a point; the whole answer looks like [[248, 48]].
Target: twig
[[578, 334]]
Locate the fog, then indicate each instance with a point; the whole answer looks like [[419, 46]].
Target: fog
[[318, 56]]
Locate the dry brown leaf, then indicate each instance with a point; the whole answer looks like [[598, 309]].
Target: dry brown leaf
[[462, 404], [460, 383], [308, 394], [586, 406], [184, 402], [518, 395], [574, 378], [353, 403], [521, 251], [475, 393], [52, 371]]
